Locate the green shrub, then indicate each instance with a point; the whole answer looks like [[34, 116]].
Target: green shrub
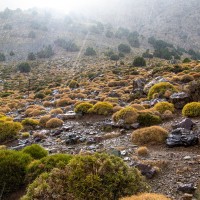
[[39, 95], [127, 115], [73, 84], [186, 60], [12, 169], [139, 62], [2, 57], [83, 107], [30, 122], [8, 129], [46, 164], [124, 48], [35, 151], [102, 108], [163, 106], [152, 134], [24, 67], [148, 119], [191, 109], [97, 176], [31, 56], [90, 52], [161, 88]]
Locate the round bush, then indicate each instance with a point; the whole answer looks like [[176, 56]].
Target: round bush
[[54, 123], [24, 67], [8, 129], [83, 107], [46, 164], [35, 151], [161, 88], [139, 62], [30, 122], [152, 134], [148, 119], [191, 109], [98, 176], [147, 196], [44, 119], [102, 108], [124, 48], [163, 106], [73, 84], [127, 115], [12, 169]]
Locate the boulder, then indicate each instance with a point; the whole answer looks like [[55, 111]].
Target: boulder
[[182, 137], [186, 188], [146, 170], [185, 123], [139, 83], [158, 79], [179, 99]]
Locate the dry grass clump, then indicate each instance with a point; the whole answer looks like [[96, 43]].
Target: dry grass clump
[[44, 119], [167, 115], [102, 108], [191, 109], [161, 164], [5, 109], [127, 115], [54, 123], [187, 78], [152, 134], [160, 89], [138, 106], [147, 196], [117, 83], [83, 107], [63, 102], [56, 111], [142, 151], [48, 104], [163, 106]]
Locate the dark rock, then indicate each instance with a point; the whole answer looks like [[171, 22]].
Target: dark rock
[[74, 139], [57, 132], [113, 94], [185, 123], [179, 99], [114, 152], [182, 137], [139, 83], [187, 188], [146, 170], [37, 139]]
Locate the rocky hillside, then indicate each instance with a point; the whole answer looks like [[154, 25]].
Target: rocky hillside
[[176, 21]]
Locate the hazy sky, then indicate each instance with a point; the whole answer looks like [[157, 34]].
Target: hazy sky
[[62, 5]]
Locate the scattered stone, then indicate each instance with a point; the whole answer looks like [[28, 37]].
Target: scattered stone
[[18, 147], [179, 99], [187, 158], [182, 137], [146, 170], [185, 123], [186, 188], [153, 82], [123, 153]]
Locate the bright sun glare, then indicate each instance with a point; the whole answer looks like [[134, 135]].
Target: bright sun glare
[[61, 5]]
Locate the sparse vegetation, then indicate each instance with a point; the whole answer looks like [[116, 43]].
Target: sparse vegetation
[[35, 151], [191, 109], [152, 134]]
